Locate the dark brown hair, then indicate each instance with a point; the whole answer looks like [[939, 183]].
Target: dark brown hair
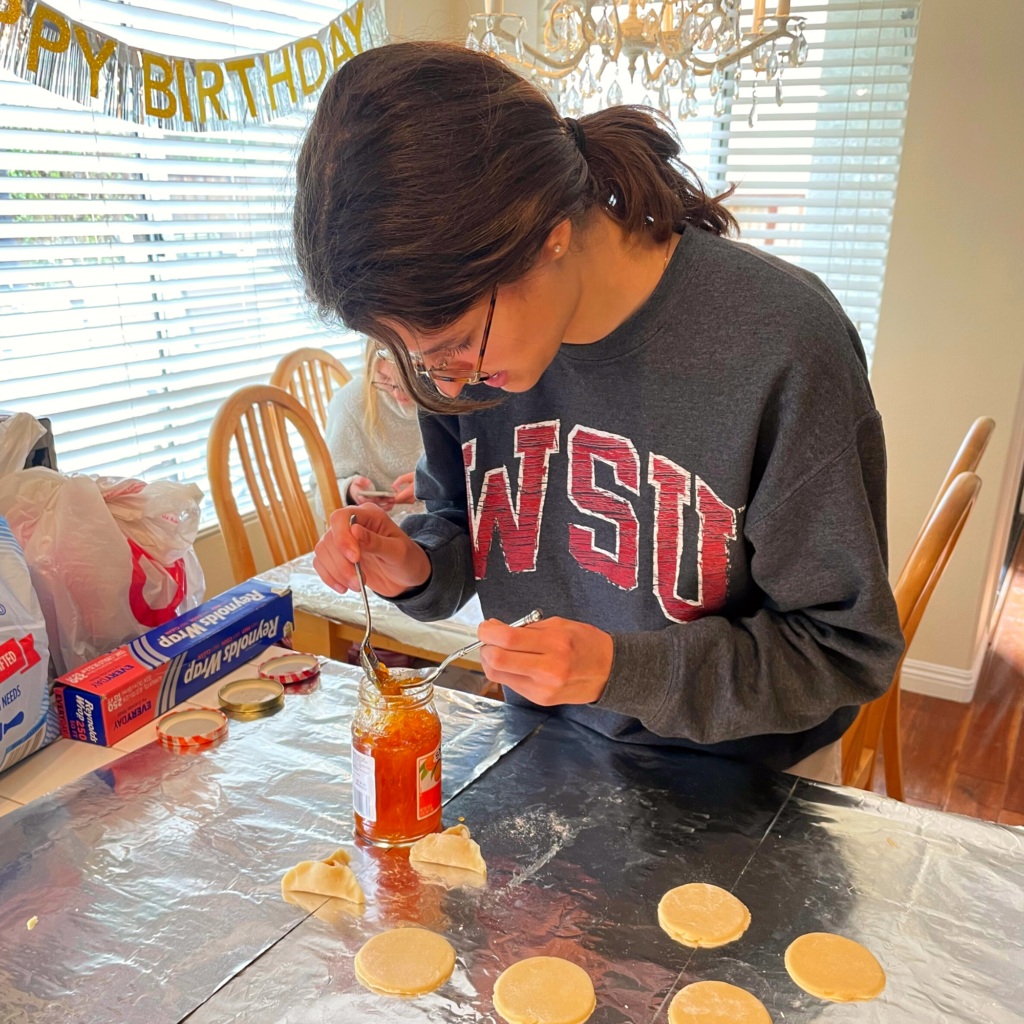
[[431, 172]]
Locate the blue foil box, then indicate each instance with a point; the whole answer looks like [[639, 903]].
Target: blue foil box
[[113, 695]]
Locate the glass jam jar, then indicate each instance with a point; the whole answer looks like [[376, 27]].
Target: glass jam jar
[[396, 762]]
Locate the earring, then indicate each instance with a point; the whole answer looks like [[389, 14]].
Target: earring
[[558, 248]]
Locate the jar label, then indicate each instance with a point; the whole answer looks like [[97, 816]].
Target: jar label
[[364, 786], [428, 784]]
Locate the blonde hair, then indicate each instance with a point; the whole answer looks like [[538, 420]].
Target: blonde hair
[[371, 396]]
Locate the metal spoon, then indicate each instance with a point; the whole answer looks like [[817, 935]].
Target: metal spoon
[[431, 674], [374, 670]]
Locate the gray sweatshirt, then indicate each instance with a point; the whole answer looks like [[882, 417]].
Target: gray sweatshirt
[[707, 484]]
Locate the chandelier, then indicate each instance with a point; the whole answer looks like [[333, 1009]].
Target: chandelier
[[671, 43]]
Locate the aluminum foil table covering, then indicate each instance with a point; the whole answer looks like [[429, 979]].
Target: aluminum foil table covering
[[583, 836], [311, 594], [157, 878]]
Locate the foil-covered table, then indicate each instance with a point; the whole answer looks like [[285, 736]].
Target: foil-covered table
[[582, 837], [310, 594], [158, 878]]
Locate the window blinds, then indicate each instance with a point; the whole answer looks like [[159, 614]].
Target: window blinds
[[145, 274], [816, 178]]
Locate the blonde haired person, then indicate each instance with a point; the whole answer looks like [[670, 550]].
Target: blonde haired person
[[374, 438]]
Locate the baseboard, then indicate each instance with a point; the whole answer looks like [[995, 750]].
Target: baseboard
[[938, 680]]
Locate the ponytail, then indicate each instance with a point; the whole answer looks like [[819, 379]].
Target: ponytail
[[636, 175]]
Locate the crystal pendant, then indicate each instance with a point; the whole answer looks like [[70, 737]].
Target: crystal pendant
[[605, 34], [571, 34], [771, 65], [647, 101], [778, 91], [692, 106], [752, 116], [573, 105], [664, 100], [674, 71], [719, 107], [489, 44], [683, 111], [651, 25], [798, 51], [646, 78], [588, 84], [691, 26], [615, 94], [561, 36], [715, 82], [689, 80], [707, 36], [472, 43]]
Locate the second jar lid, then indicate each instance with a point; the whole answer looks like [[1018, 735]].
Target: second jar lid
[[251, 696]]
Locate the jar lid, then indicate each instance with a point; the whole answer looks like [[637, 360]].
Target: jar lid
[[291, 668], [251, 696], [191, 728]]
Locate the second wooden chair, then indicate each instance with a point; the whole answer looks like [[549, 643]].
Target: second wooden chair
[[254, 421], [311, 375]]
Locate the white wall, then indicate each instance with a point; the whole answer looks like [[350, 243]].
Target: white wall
[[950, 341]]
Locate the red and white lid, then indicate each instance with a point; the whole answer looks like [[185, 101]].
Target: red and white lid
[[191, 728], [291, 668]]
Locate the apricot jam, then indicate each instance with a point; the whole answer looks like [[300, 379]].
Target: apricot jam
[[396, 762]]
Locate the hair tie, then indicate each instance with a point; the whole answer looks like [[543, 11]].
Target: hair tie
[[580, 138]]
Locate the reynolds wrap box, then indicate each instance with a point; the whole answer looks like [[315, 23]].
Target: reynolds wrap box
[[113, 695]]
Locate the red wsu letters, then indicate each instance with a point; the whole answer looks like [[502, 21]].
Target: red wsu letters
[[519, 526]]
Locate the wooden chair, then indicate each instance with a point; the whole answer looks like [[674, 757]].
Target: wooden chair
[[255, 418], [860, 742], [312, 376], [920, 576]]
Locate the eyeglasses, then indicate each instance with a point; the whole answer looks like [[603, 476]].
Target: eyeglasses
[[393, 388], [439, 372]]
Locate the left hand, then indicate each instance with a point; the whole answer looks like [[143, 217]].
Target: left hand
[[554, 661], [403, 489]]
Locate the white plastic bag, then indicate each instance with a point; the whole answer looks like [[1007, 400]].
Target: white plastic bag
[[25, 721], [110, 559]]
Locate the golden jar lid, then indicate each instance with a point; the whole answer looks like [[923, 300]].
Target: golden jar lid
[[252, 698]]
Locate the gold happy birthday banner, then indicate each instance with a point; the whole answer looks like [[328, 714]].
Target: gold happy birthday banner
[[42, 46]]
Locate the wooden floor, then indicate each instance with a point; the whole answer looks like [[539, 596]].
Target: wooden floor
[[969, 758]]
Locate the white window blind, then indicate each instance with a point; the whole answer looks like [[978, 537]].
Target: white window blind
[[144, 275], [815, 178]]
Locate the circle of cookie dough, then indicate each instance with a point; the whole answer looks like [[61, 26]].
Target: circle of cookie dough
[[405, 962], [544, 990], [833, 967], [715, 1002], [702, 915]]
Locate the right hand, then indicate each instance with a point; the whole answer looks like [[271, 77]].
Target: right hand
[[364, 483], [391, 560]]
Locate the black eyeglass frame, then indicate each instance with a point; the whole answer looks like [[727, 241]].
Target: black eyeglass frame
[[436, 373]]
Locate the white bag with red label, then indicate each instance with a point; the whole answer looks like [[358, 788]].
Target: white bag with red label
[[109, 558], [24, 658]]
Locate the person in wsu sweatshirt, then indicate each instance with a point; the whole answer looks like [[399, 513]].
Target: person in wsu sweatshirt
[[685, 470]]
